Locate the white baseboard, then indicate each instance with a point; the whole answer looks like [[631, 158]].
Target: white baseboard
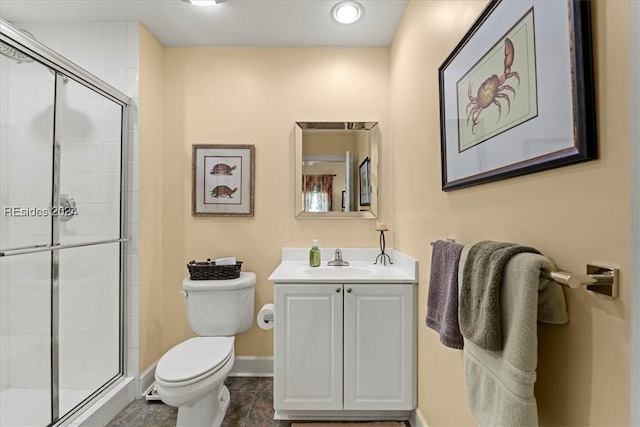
[[252, 366], [416, 419], [244, 366], [147, 378]]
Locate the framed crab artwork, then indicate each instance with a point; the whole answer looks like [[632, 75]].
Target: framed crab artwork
[[517, 93], [222, 180]]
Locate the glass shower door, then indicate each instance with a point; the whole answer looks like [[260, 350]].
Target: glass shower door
[[27, 93], [88, 143]]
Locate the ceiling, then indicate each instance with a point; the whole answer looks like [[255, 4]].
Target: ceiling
[[230, 23]]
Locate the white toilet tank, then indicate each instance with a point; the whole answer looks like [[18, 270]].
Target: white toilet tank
[[220, 307]]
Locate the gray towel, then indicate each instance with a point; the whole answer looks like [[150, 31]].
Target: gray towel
[[480, 292], [500, 384], [442, 301]]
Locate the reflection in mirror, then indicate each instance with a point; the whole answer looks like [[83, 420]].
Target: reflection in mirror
[[336, 169]]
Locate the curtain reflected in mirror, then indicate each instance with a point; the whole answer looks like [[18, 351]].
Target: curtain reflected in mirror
[[318, 193]]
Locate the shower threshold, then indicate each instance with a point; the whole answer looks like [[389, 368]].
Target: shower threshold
[[32, 407]]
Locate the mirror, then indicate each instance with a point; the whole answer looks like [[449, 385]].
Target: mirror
[[336, 169]]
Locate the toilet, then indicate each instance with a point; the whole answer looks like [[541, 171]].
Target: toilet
[[191, 375]]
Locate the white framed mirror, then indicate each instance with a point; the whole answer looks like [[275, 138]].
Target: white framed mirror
[[336, 169]]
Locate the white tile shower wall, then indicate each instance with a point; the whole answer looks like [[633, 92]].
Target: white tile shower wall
[[4, 236], [90, 165], [132, 212]]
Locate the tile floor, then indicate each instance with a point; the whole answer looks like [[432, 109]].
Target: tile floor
[[251, 406]]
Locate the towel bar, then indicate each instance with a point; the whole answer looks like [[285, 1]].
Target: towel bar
[[601, 280]]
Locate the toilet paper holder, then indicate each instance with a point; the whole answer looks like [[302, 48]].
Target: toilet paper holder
[[265, 317]]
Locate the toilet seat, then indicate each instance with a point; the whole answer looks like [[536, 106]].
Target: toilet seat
[[194, 359]]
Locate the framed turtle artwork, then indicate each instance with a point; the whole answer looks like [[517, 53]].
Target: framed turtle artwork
[[222, 180], [517, 93]]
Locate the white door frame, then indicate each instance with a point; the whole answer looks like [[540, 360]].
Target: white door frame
[[634, 113]]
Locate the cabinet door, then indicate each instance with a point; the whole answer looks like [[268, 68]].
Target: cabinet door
[[378, 347], [308, 347]]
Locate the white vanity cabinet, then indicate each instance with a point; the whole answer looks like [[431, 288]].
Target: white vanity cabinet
[[344, 347]]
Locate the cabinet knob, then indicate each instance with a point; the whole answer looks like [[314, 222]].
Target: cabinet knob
[[349, 290], [338, 290]]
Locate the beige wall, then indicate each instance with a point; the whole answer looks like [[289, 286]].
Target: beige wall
[[576, 215], [334, 143], [150, 110], [251, 96]]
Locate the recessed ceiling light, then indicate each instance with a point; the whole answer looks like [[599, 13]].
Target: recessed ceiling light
[[347, 11], [204, 2]]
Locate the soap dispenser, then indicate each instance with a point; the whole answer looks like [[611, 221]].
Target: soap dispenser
[[314, 255]]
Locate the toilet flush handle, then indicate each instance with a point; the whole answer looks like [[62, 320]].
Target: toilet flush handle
[[185, 293]]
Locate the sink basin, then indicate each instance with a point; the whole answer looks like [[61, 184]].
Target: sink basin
[[331, 272]]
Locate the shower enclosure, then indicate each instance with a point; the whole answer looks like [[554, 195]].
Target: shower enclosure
[[62, 233]]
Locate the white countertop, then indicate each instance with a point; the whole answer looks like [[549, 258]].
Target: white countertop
[[295, 268]]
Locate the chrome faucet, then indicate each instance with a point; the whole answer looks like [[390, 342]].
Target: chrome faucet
[[338, 261]]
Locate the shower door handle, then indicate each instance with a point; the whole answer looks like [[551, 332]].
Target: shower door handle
[[48, 248], [20, 248]]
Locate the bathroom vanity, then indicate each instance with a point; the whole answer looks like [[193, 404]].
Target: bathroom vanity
[[345, 337]]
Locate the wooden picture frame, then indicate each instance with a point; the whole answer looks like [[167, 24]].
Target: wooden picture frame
[[517, 93], [222, 180]]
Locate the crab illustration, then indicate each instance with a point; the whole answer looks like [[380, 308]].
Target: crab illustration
[[492, 89]]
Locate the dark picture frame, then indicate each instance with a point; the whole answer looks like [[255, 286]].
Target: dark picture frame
[[222, 180], [517, 93], [365, 182]]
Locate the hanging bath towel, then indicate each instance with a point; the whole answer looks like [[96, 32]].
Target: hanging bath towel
[[480, 291], [499, 384], [442, 301]]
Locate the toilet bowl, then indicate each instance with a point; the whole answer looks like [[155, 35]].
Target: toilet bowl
[[191, 375]]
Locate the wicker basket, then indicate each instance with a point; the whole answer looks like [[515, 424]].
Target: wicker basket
[[208, 270]]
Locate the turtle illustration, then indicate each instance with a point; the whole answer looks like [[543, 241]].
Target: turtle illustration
[[223, 191], [222, 169]]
